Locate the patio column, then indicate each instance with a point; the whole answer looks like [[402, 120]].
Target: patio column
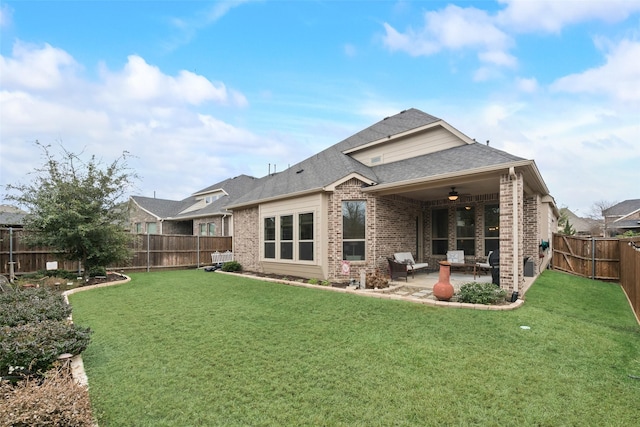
[[511, 231]]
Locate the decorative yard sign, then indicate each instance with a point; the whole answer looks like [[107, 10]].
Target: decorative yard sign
[[346, 268], [52, 265]]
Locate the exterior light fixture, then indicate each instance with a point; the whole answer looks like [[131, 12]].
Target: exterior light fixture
[[453, 194]]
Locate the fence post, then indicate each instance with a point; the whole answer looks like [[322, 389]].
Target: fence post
[[198, 251], [148, 250], [12, 271], [593, 258]]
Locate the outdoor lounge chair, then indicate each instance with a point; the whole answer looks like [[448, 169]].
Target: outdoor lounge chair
[[456, 258], [406, 258], [397, 269], [482, 265]]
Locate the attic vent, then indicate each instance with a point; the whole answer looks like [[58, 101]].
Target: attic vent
[[376, 159], [300, 171]]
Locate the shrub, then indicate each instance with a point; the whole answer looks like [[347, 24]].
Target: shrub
[[231, 266], [36, 346], [56, 401], [32, 305], [313, 281], [481, 293], [376, 280]]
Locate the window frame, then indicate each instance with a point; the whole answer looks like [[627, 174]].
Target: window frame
[[286, 238], [466, 242], [440, 239], [350, 241], [495, 239]]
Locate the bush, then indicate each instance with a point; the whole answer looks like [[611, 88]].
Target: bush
[[481, 293], [63, 274], [231, 266], [36, 346], [313, 281], [32, 305], [376, 280], [56, 401]]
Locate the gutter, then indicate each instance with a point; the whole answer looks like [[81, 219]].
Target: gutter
[[274, 198], [514, 181]]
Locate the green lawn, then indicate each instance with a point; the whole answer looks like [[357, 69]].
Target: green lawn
[[186, 348]]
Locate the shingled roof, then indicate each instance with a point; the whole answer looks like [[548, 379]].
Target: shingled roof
[[175, 209], [332, 164]]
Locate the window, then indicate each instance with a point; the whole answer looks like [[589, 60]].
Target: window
[[203, 229], [305, 237], [286, 237], [491, 228], [139, 228], [439, 231], [466, 230], [353, 230], [152, 228], [212, 229], [270, 237]]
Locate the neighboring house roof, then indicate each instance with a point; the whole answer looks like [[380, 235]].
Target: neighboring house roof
[[334, 164], [11, 216], [623, 209], [581, 225], [194, 206]]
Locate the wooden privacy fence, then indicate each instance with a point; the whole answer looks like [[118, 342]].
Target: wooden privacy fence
[[149, 251], [607, 259], [591, 257]]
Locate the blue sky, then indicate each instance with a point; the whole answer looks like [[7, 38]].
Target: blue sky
[[200, 91]]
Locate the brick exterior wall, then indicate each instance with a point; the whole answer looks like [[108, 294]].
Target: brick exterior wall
[[532, 233], [217, 220], [396, 224], [506, 233], [349, 190], [137, 215], [246, 242]]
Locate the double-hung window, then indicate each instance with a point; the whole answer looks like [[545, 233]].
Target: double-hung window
[[466, 230], [305, 236], [353, 230], [289, 237], [439, 231], [286, 237], [491, 228], [270, 237]]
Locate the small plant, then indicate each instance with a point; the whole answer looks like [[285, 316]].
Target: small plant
[[313, 281], [32, 305], [481, 293], [55, 401], [231, 266], [36, 346], [376, 280], [325, 283]]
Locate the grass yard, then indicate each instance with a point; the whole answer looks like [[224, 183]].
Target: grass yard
[[189, 348]]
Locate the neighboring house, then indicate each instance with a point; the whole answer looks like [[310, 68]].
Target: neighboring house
[[386, 189], [581, 226], [10, 216], [203, 213], [624, 216]]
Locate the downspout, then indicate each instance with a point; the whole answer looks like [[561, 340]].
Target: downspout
[[514, 180], [223, 217]]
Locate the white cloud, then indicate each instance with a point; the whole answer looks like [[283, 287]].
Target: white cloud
[[618, 78], [34, 68], [553, 15], [138, 109], [141, 82], [529, 85], [452, 28], [6, 15]]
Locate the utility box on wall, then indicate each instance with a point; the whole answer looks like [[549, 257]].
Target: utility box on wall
[[528, 267]]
